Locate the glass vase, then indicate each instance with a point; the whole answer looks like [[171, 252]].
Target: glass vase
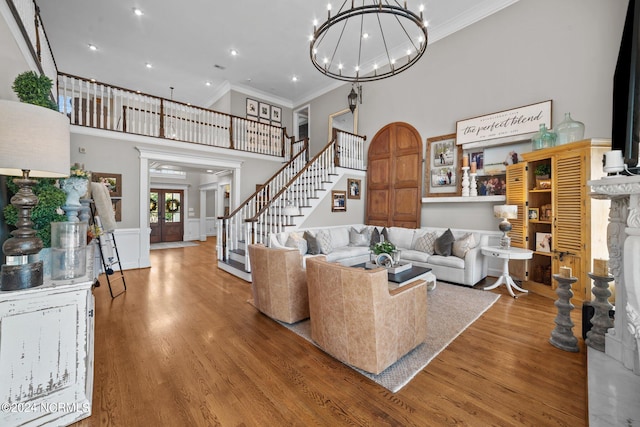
[[569, 130], [547, 138]]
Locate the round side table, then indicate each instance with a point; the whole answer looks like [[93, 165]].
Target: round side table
[[506, 254]]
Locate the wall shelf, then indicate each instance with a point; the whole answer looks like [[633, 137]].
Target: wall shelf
[[460, 199]]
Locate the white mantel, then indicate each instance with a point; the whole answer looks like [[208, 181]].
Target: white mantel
[[623, 239]]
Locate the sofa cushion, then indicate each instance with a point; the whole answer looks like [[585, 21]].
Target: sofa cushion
[[447, 261], [359, 238], [401, 237], [444, 243], [296, 241], [347, 252], [324, 242], [339, 236], [313, 248], [385, 234], [462, 245], [426, 243], [414, 255], [375, 236]]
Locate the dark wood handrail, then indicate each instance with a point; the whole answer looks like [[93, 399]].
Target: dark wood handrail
[[284, 188], [60, 73], [273, 177]]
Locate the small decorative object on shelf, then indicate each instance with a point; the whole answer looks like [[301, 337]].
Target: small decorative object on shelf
[[465, 181], [562, 336], [543, 176], [569, 130], [473, 184], [544, 138]]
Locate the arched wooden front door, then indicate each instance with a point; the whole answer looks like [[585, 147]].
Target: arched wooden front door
[[394, 177]]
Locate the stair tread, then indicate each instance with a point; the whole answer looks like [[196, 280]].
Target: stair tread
[[236, 264]]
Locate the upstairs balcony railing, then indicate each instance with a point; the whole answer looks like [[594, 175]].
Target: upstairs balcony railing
[[102, 106]]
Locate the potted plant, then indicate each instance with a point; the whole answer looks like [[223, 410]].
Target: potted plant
[[34, 89], [543, 174]]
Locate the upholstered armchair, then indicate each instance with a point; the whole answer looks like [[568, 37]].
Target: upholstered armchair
[[279, 283], [357, 320]]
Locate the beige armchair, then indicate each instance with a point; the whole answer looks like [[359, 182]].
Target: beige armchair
[[279, 283], [356, 319]]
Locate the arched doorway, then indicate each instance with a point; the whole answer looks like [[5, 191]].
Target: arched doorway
[[394, 177]]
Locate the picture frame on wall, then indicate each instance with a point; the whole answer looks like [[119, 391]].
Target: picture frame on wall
[[338, 201], [252, 108], [353, 188], [276, 114], [113, 182], [492, 185], [443, 167], [264, 111]]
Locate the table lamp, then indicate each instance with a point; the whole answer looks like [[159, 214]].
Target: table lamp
[[34, 143], [506, 212]]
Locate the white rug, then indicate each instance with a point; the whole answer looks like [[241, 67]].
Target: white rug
[[450, 310], [171, 245]]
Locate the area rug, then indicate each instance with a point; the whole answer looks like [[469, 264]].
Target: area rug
[[450, 310], [171, 245]]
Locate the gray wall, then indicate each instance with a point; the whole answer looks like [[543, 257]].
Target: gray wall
[[531, 51]]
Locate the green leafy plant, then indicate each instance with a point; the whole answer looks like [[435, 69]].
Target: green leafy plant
[[383, 247], [543, 169], [50, 198], [34, 89]]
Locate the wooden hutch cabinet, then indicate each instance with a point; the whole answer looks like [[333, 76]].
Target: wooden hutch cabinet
[[556, 217]]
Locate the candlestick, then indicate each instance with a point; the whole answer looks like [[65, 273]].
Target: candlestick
[[465, 160], [465, 181], [601, 267], [473, 185], [565, 272], [474, 165]]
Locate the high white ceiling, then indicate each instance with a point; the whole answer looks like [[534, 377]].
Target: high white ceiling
[[188, 43]]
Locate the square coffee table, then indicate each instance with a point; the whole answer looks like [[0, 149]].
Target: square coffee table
[[405, 277]]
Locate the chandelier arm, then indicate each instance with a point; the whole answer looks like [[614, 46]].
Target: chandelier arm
[[384, 41], [360, 45], [338, 43]]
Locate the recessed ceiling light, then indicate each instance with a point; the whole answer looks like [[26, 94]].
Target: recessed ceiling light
[[137, 11], [92, 47], [208, 83], [365, 35], [294, 78], [209, 171], [233, 52], [148, 65]]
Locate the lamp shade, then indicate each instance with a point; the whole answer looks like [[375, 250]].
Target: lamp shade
[[505, 211], [33, 138]]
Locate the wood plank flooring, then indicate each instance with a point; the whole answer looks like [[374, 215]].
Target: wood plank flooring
[[182, 347]]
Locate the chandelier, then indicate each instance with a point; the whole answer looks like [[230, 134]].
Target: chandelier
[[371, 40]]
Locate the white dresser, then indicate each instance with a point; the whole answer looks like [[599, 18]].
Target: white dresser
[[46, 353]]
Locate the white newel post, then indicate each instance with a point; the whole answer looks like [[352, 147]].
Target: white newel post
[[623, 239]]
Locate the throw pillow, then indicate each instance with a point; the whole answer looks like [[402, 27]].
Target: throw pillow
[[426, 243], [324, 242], [298, 242], [463, 245], [375, 237], [444, 243], [358, 238], [385, 234], [313, 248]]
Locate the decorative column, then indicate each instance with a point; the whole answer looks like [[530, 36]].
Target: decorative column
[[601, 321], [465, 181], [623, 240], [562, 336]]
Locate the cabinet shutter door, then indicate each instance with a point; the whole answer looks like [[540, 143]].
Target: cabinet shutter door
[[569, 206], [517, 195]]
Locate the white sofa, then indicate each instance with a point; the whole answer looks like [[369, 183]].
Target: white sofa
[[465, 271]]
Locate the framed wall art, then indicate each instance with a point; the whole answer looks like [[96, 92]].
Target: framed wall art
[[492, 185], [113, 182], [265, 111], [443, 166], [338, 201], [353, 186], [276, 114], [252, 109]]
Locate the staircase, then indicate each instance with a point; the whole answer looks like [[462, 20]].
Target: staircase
[[284, 201]]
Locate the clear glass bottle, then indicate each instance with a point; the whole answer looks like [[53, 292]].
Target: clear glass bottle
[[544, 138], [569, 130]]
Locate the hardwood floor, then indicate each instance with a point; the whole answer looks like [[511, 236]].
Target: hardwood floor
[[182, 347]]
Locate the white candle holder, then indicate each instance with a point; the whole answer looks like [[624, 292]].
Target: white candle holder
[[465, 181], [473, 185]]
